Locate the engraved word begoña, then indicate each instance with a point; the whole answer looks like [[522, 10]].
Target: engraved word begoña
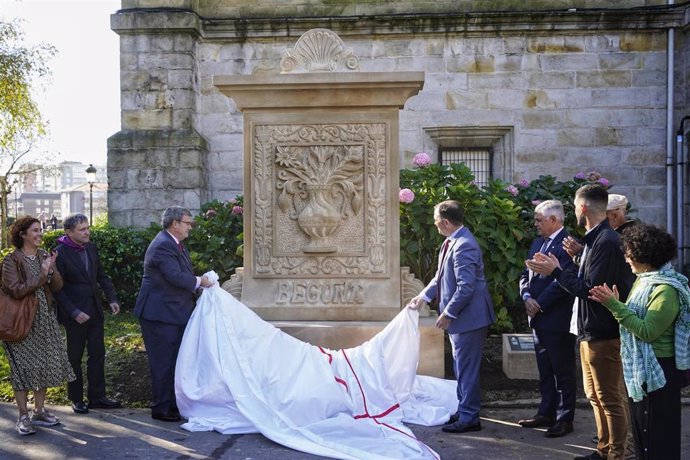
[[320, 292]]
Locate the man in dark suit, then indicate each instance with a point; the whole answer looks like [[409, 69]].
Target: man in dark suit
[[81, 312], [549, 308], [465, 309], [165, 303], [602, 262]]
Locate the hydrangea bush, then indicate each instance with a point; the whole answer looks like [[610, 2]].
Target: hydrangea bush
[[217, 240]]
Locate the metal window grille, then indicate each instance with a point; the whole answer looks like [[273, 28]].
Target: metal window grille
[[479, 160]]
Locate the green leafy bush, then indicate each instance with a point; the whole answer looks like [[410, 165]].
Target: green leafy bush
[[217, 241]]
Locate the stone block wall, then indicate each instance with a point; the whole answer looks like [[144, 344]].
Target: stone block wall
[[570, 92], [320, 8], [157, 159]]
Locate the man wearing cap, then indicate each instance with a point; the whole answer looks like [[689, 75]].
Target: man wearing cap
[[615, 212]]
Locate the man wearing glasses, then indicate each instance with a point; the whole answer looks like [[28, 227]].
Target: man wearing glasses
[[164, 305]]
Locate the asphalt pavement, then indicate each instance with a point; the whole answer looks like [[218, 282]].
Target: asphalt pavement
[[132, 434]]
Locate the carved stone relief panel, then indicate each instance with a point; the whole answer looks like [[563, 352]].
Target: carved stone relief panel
[[320, 199]]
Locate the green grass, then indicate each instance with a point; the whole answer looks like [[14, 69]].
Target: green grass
[[123, 344]]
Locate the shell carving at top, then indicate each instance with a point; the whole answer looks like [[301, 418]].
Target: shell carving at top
[[319, 50]]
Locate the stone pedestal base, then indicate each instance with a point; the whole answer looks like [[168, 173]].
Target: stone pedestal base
[[337, 335], [519, 361]]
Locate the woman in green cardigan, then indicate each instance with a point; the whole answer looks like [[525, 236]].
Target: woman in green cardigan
[[655, 339]]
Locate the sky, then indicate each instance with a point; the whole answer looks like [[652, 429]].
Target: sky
[[82, 102]]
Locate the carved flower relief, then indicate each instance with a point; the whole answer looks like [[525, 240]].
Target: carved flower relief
[[320, 186], [337, 168]]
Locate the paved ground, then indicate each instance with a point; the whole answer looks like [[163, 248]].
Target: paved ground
[[132, 434]]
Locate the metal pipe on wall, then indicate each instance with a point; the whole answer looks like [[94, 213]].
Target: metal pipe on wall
[[679, 198], [681, 178], [670, 64]]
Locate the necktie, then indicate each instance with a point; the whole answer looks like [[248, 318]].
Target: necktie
[[545, 246], [543, 249], [180, 246], [444, 251]]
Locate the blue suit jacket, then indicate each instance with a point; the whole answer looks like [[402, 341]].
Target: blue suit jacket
[[464, 293], [168, 286], [556, 303]]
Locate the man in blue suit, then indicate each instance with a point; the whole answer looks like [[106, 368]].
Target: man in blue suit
[[465, 309], [164, 305], [549, 308]]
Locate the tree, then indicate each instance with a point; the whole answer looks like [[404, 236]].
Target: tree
[[21, 124]]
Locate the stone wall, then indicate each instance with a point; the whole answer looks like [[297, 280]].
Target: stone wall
[[320, 8], [559, 92]]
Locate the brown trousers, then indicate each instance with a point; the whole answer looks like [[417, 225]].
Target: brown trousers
[[602, 375]]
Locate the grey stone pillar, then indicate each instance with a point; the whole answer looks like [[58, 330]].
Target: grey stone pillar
[[158, 158]]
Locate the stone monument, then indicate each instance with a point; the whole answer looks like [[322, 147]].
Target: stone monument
[[321, 219]]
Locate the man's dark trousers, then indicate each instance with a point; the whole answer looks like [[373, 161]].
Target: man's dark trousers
[[89, 334], [162, 342], [555, 353]]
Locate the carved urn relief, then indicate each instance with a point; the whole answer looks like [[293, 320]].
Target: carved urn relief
[[320, 186]]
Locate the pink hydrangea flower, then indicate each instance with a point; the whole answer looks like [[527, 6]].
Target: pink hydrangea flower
[[524, 183], [604, 181], [512, 190], [406, 196], [237, 210], [580, 175], [421, 159]]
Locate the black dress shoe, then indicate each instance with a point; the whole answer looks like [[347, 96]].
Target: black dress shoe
[[166, 417], [453, 418], [104, 403], [559, 429], [593, 456], [80, 408], [458, 427], [536, 421]]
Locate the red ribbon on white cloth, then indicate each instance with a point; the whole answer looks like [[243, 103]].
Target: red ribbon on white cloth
[[239, 374]]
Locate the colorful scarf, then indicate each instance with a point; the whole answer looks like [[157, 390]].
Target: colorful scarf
[[640, 365]]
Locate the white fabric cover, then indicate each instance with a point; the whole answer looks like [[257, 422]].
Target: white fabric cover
[[239, 374]]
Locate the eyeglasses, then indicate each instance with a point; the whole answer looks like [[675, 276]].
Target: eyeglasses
[[188, 222]]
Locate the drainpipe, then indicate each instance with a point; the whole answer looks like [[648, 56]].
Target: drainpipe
[[669, 129], [681, 163]]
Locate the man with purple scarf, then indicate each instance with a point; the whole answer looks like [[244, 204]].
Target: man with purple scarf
[[81, 312]]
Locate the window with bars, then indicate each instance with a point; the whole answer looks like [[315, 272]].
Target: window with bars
[[479, 160]]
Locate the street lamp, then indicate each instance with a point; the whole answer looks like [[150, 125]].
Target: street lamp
[[15, 186], [91, 178]]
